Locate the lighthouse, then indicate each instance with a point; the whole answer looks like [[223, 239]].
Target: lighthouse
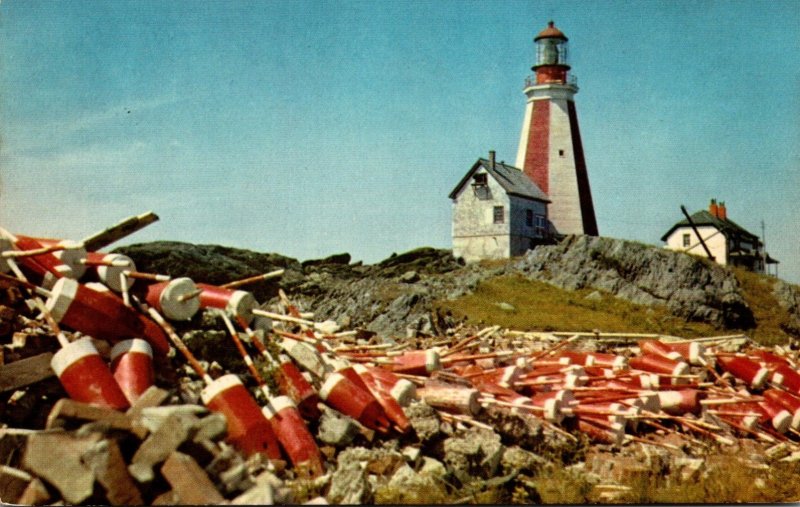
[[550, 151]]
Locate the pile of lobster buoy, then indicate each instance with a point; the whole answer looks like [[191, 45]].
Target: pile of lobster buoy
[[697, 388]]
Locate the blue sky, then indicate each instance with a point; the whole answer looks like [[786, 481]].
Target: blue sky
[[312, 128]]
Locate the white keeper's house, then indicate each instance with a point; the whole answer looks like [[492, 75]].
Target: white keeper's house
[[728, 242], [498, 212]]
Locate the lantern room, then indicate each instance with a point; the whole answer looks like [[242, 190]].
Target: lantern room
[[551, 56]]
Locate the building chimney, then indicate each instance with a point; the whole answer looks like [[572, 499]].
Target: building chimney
[[491, 158], [713, 208], [722, 212]]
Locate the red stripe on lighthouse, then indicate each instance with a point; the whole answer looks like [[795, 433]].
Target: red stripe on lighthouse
[[584, 191], [537, 151]]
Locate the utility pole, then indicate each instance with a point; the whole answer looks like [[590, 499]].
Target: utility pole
[[694, 228], [764, 247]]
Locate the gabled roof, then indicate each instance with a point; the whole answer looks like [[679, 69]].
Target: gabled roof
[[728, 227], [513, 181]]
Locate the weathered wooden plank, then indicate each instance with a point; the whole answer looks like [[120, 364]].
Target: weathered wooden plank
[[25, 372]]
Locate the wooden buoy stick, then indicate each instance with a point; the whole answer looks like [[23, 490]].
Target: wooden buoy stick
[[26, 284], [278, 316], [119, 263], [147, 276], [189, 295], [253, 279], [120, 230], [242, 352], [262, 349], [176, 340], [38, 251], [62, 340]]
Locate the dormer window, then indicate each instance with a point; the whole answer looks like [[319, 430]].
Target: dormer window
[[480, 186]]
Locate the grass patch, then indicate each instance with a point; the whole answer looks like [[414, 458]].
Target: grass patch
[[770, 317], [540, 306]]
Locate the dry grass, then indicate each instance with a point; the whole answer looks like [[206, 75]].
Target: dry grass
[[539, 306]]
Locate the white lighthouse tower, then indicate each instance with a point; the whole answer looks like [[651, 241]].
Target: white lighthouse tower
[[550, 151]]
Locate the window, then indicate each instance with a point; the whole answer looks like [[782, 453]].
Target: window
[[687, 240], [480, 186], [560, 153], [529, 217], [541, 225], [499, 215]]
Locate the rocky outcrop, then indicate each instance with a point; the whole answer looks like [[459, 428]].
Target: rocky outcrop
[[214, 264], [690, 287], [397, 295], [788, 297]]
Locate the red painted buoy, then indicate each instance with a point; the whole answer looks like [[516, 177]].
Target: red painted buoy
[[680, 402], [787, 401], [292, 383], [390, 406], [132, 366], [293, 434], [776, 415], [349, 399], [53, 265], [417, 362], [173, 298], [744, 369], [248, 429], [692, 352], [94, 313], [786, 377], [399, 388], [86, 377], [109, 267], [659, 348], [154, 335], [663, 365], [238, 303]]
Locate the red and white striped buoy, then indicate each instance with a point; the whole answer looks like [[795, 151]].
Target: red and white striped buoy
[[776, 415], [692, 352], [402, 390], [680, 402], [248, 429], [47, 267], [176, 299], [291, 430], [451, 398], [86, 377], [785, 376], [787, 401], [744, 369], [348, 398], [238, 303], [745, 413], [662, 365], [92, 312], [154, 335], [132, 366], [391, 407], [659, 348], [109, 267], [292, 383], [417, 362]]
